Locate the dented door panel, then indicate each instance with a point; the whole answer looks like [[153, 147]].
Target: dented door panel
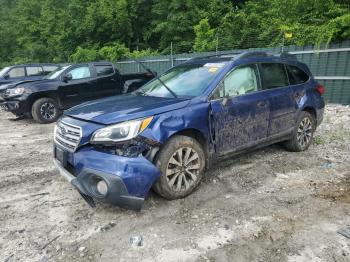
[[241, 122]]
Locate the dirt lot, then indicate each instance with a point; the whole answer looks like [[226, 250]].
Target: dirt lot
[[268, 205]]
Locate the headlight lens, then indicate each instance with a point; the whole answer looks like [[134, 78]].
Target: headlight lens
[[121, 132], [16, 91]]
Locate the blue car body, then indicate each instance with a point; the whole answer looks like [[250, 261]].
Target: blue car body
[[245, 122]]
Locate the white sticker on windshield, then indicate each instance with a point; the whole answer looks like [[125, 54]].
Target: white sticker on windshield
[[214, 64]]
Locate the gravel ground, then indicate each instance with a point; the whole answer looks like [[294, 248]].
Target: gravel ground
[[268, 205]]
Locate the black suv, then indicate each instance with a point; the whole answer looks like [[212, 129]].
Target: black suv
[[25, 72], [68, 86]]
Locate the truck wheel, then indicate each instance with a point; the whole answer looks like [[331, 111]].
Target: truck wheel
[[182, 164], [303, 133], [45, 110]]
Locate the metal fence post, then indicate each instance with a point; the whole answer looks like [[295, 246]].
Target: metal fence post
[[171, 54]]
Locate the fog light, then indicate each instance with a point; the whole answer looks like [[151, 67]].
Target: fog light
[[102, 187]]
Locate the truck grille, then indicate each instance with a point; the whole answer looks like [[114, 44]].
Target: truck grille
[[67, 136]]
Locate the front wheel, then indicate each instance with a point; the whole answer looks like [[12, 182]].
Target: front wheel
[[45, 110], [182, 164], [303, 133]]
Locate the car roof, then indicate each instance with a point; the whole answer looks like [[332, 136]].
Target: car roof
[[251, 55], [37, 64]]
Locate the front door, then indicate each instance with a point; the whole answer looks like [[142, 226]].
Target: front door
[[16, 74], [240, 114], [78, 88]]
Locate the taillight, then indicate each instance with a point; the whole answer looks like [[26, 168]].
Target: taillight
[[320, 88]]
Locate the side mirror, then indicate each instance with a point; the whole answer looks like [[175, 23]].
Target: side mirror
[[67, 78], [7, 76]]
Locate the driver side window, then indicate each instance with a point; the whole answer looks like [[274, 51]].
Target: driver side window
[[80, 72], [240, 81]]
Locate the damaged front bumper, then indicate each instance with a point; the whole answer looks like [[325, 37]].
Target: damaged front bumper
[[128, 179]]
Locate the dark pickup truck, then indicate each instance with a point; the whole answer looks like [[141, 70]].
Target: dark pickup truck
[[68, 86]]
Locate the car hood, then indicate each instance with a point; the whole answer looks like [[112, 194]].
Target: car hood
[[124, 107], [36, 82]]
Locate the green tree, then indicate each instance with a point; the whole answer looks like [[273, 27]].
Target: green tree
[[205, 37], [113, 52], [84, 55]]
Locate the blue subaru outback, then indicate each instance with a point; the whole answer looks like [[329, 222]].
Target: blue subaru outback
[[166, 134]]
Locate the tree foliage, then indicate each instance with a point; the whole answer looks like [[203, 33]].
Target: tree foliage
[[81, 30]]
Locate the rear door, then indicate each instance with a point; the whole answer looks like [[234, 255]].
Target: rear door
[[108, 82], [239, 113], [77, 90], [276, 87], [34, 72]]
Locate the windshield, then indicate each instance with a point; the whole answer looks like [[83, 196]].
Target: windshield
[[3, 71], [185, 81], [57, 72]]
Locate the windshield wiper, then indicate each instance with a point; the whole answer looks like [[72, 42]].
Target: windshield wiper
[[157, 77]]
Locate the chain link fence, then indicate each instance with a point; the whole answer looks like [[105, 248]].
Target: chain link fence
[[330, 65]]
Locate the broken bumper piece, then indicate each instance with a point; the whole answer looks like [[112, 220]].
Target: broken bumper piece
[[121, 181]]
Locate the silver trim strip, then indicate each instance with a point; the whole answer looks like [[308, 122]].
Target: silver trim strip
[[315, 51], [332, 77], [63, 172]]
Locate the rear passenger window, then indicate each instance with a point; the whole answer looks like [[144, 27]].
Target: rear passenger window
[[34, 71], [296, 75], [16, 72], [48, 69], [273, 75], [104, 70]]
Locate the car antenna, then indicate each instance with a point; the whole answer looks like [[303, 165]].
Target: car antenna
[[157, 77]]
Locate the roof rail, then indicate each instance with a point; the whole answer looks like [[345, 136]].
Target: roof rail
[[248, 54], [231, 54], [288, 56]]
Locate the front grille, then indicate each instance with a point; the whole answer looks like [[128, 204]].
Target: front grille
[[67, 136]]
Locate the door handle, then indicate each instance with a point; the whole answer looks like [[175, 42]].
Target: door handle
[[261, 104]]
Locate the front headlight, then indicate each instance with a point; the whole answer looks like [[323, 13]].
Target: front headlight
[[15, 91], [121, 132]]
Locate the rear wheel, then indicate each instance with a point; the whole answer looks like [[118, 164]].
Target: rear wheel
[[45, 110], [182, 163], [303, 133]]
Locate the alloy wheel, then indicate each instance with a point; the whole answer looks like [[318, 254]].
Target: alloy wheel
[[48, 111], [304, 133], [183, 169]]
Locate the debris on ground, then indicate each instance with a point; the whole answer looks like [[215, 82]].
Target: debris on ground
[[136, 241]]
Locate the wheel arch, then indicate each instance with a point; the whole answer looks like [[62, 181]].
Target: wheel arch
[[49, 94], [198, 136], [310, 110]]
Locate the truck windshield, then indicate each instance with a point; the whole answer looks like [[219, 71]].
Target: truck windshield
[[57, 72], [185, 81], [3, 71]]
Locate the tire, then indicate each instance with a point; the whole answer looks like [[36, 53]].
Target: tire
[[45, 110], [303, 133], [179, 177]]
